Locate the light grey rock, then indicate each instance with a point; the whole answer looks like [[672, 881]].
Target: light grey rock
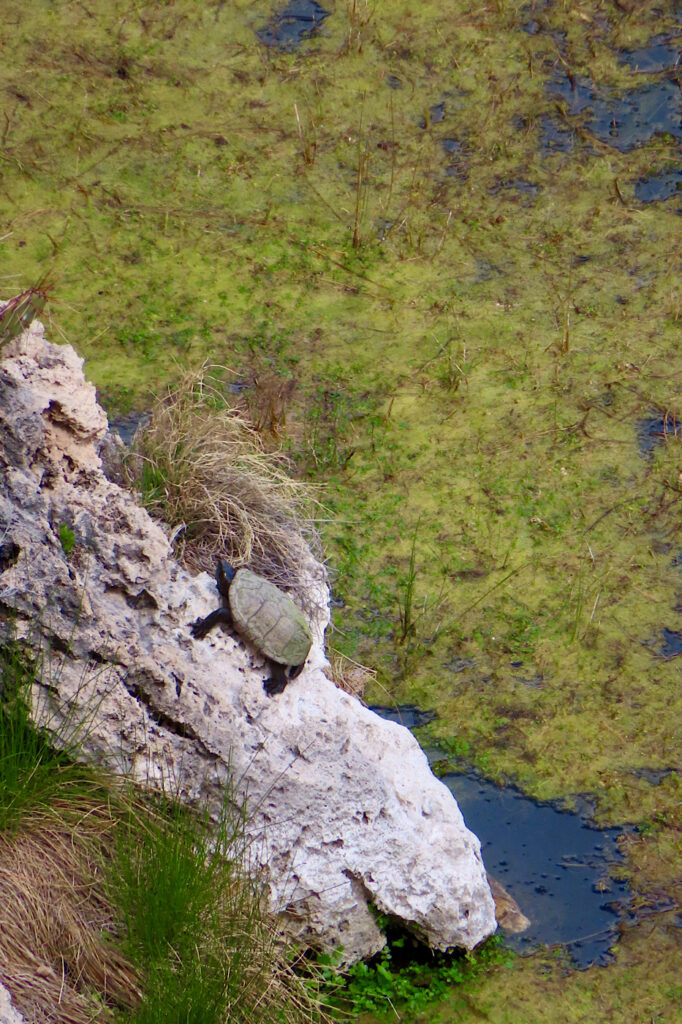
[[8, 1014], [343, 807]]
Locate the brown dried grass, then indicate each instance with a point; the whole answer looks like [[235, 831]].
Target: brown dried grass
[[204, 469], [55, 957], [349, 675], [59, 933]]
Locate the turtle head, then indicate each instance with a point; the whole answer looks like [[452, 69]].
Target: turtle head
[[224, 575]]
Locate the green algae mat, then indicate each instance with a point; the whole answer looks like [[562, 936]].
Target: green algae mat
[[438, 248]]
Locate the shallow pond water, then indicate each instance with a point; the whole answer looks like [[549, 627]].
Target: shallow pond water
[[556, 864], [671, 644], [658, 187], [408, 715], [288, 27], [660, 54], [655, 430], [623, 121]]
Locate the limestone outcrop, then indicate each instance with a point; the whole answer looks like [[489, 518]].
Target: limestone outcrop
[[8, 1014], [344, 810]]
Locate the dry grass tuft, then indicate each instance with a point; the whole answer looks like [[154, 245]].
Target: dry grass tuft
[[61, 937], [54, 919], [204, 470], [350, 675]]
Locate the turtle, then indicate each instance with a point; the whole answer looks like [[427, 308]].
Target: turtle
[[264, 615]]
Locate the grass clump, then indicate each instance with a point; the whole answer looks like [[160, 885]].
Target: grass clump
[[58, 960], [32, 770], [196, 924], [204, 469]]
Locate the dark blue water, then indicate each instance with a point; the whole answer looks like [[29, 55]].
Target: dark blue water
[[657, 188], [661, 53], [555, 865], [287, 28], [625, 120], [657, 430], [408, 715]]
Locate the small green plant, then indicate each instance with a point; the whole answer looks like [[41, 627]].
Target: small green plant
[[165, 882], [450, 364], [383, 985], [308, 140], [405, 602], [359, 16], [67, 538], [361, 193], [32, 770]]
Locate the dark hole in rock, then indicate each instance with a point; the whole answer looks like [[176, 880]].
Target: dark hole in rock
[[555, 864], [656, 430], [658, 187], [404, 714], [9, 554], [142, 600], [287, 28], [671, 644]]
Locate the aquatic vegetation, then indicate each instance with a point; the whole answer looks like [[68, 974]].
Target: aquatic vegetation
[[467, 352]]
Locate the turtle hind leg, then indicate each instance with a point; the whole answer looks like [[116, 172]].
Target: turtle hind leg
[[278, 679], [203, 626]]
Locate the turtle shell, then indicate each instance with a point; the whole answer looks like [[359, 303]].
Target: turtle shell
[[269, 619]]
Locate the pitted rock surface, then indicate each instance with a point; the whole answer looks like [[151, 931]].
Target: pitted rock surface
[[344, 804]]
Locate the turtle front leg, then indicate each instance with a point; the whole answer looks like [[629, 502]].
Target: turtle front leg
[[203, 626], [278, 679]]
